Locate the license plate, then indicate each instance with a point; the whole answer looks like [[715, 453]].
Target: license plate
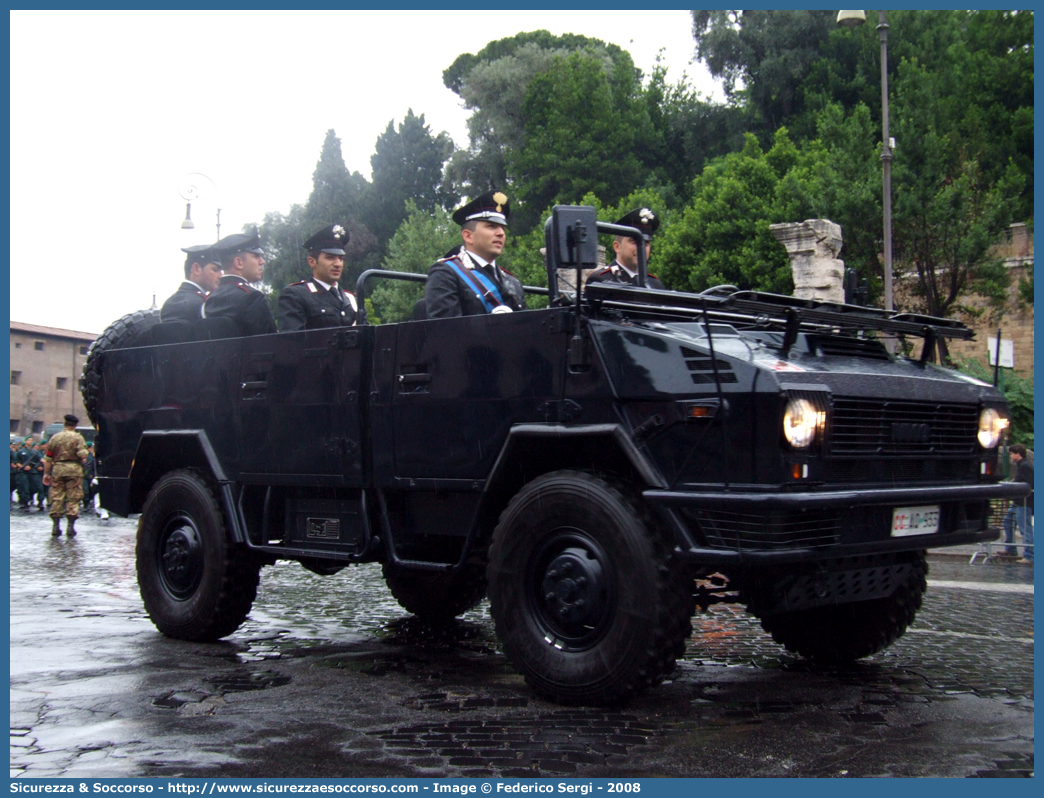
[[915, 520]]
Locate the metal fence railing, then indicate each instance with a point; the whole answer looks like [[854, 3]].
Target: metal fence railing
[[997, 547]]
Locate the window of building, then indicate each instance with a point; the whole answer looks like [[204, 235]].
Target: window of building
[[83, 350], [16, 425], [18, 346], [16, 378], [39, 346], [62, 383], [37, 427]]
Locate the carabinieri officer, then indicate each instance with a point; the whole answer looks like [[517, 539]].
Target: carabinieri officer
[[469, 282], [243, 261], [624, 269], [319, 302]]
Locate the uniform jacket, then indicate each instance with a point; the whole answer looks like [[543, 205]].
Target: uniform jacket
[[615, 273], [23, 457], [183, 304], [35, 460], [446, 295], [67, 447], [248, 307], [308, 306]]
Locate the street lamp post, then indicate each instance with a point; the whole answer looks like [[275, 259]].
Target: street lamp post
[[851, 19], [189, 190]]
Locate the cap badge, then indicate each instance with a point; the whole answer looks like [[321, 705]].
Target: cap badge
[[646, 215], [501, 199], [337, 231]]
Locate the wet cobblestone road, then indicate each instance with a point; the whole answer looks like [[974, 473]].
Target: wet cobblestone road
[[330, 677]]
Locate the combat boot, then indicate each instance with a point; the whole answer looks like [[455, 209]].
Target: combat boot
[[56, 530], [71, 531]]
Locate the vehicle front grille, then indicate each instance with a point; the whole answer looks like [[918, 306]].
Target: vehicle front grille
[[781, 530], [901, 470], [868, 427]]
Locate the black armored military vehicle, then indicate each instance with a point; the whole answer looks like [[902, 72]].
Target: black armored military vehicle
[[598, 467]]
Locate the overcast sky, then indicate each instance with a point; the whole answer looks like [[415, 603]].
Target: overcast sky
[[111, 110]]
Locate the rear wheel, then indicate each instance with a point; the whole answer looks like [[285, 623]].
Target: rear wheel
[[194, 582], [436, 596], [583, 592], [843, 633]]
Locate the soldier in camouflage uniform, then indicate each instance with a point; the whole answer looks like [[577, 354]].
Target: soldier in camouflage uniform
[[63, 473]]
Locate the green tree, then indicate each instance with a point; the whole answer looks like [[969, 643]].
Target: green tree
[[948, 211], [764, 58], [336, 192], [282, 237], [722, 236], [407, 165], [579, 136], [495, 85], [688, 132], [336, 198], [422, 238]]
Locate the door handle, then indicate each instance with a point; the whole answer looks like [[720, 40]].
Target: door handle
[[414, 379], [254, 390]]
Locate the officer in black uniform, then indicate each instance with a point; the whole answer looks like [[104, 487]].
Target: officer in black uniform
[[243, 262], [22, 459], [624, 269], [202, 275], [319, 301], [469, 282]]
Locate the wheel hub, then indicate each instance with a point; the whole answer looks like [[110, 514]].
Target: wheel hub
[[181, 561], [572, 587]]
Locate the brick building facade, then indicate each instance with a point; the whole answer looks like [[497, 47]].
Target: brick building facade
[[1014, 318], [46, 363]]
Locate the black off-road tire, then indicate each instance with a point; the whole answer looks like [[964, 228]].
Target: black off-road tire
[[586, 599], [436, 596], [118, 335], [195, 583], [841, 634]]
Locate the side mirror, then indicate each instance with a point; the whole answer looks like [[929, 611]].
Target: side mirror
[[574, 237]]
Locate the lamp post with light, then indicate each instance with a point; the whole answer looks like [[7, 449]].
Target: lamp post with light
[[189, 190], [852, 19]]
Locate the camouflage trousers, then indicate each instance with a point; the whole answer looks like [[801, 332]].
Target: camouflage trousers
[[66, 489]]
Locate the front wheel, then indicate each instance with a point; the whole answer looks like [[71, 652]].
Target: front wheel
[[586, 601], [843, 633], [193, 581]]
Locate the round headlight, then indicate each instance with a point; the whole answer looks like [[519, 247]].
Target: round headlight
[[991, 427], [799, 423]]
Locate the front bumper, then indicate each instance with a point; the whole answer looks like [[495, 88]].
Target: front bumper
[[746, 527]]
